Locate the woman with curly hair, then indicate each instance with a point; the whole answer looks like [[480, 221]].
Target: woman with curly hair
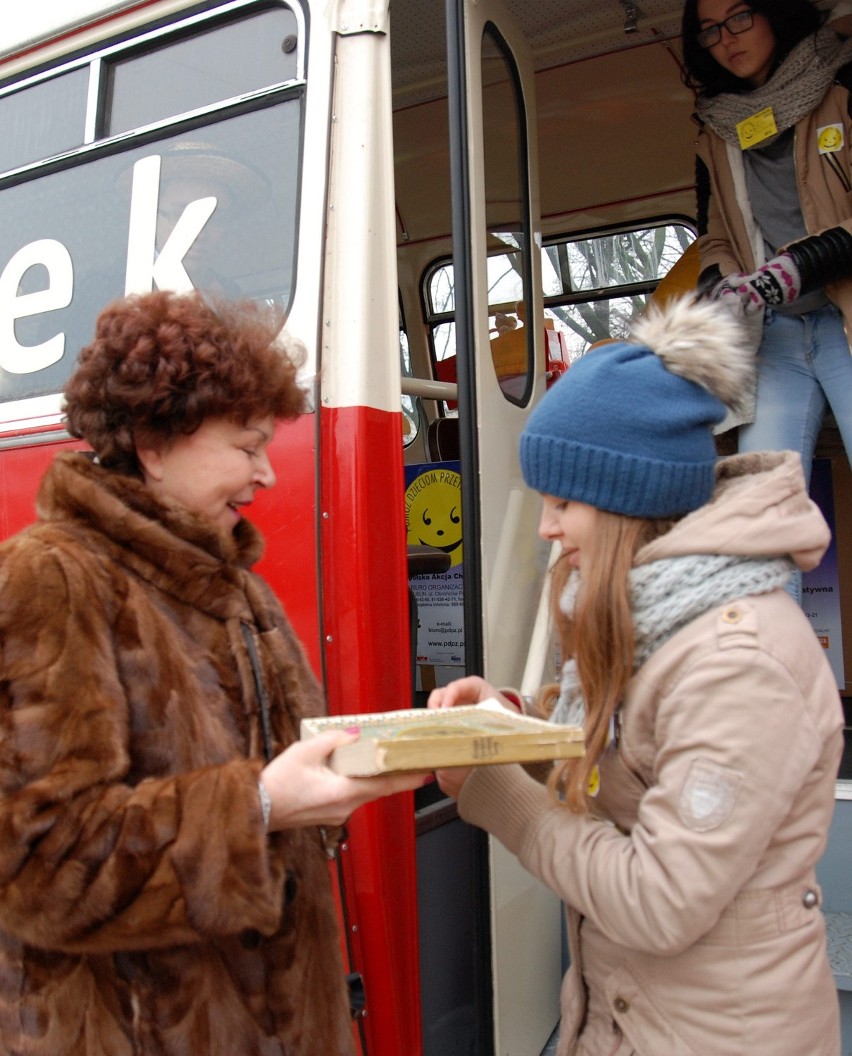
[[164, 885], [684, 841], [773, 181]]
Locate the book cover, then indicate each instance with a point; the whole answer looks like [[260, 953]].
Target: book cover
[[419, 739]]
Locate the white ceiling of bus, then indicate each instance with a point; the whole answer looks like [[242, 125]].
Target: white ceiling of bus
[[599, 92], [559, 31]]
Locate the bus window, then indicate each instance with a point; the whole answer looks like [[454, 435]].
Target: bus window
[[204, 69], [595, 286], [410, 406], [507, 212], [46, 119], [209, 205]]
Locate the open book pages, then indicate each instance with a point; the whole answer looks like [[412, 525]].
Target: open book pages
[[419, 739]]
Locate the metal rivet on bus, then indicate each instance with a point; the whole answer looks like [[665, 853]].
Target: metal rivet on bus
[[344, 846], [288, 44], [329, 638], [354, 927], [325, 515]]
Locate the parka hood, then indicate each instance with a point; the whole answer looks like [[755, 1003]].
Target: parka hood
[[760, 508]]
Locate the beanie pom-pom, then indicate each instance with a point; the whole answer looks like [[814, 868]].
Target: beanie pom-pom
[[702, 341]]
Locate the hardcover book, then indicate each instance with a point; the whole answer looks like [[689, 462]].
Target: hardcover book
[[420, 739]]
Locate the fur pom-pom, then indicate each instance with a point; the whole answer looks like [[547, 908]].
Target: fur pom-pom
[[702, 341]]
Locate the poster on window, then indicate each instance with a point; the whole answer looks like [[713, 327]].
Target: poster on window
[[433, 519], [821, 587]]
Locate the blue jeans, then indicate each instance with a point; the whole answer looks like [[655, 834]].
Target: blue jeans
[[803, 366]]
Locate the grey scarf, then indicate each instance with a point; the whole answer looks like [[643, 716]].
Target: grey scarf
[[796, 88], [665, 596]]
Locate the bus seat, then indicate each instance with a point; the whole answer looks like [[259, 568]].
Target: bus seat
[[442, 440], [680, 278], [445, 370], [509, 353]]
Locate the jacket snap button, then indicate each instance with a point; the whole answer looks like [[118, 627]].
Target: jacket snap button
[[810, 899], [732, 615], [621, 1005]]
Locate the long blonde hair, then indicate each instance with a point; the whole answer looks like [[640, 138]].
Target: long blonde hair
[[599, 636]]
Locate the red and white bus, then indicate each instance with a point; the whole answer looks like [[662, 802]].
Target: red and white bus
[[451, 201]]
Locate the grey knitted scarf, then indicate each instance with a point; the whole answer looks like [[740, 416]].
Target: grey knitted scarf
[[665, 596], [795, 89]]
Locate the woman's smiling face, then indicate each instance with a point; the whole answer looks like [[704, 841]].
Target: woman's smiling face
[[214, 471], [748, 55], [573, 525]]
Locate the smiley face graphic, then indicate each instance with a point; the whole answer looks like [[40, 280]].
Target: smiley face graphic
[[433, 512], [830, 138]]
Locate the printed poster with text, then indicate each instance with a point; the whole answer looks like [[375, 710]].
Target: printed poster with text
[[433, 518], [821, 588]]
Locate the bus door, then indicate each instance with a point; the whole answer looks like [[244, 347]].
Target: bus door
[[501, 372]]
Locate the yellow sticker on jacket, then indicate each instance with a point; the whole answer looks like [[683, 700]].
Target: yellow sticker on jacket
[[830, 138], [755, 129]]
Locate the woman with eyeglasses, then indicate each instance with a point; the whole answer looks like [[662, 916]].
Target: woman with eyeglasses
[[774, 187]]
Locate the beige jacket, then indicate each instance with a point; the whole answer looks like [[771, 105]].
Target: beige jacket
[[732, 239], [695, 926]]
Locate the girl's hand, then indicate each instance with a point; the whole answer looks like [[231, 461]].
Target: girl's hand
[[470, 690], [450, 781], [305, 791]]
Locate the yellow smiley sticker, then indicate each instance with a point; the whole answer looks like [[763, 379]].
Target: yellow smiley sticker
[[755, 129], [830, 138], [433, 512]]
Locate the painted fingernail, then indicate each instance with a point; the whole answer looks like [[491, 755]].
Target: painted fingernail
[[353, 729]]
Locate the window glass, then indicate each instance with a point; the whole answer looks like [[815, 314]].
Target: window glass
[[207, 68], [218, 206], [410, 406], [43, 119], [507, 219], [593, 287]]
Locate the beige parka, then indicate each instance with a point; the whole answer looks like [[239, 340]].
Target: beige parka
[[732, 240], [692, 933]]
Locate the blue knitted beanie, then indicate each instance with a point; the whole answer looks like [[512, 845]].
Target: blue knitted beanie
[[625, 431]]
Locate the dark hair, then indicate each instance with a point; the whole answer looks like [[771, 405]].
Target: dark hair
[[162, 363], [790, 20]]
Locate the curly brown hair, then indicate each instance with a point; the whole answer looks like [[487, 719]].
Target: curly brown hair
[[162, 363]]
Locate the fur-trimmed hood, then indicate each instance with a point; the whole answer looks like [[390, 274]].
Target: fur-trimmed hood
[[760, 508]]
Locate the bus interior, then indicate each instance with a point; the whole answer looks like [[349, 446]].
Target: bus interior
[[453, 201]]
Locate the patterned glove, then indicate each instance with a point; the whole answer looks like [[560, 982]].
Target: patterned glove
[[776, 282]]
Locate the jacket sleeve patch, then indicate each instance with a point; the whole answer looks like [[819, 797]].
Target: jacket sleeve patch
[[708, 795]]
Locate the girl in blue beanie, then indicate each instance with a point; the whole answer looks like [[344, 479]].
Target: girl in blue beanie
[[684, 842]]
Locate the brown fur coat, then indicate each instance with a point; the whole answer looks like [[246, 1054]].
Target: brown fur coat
[[143, 908]]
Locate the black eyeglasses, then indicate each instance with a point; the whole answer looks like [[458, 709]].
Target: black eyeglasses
[[710, 36]]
